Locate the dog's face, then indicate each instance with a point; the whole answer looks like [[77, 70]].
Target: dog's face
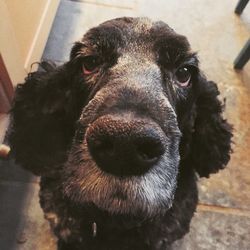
[[141, 77]]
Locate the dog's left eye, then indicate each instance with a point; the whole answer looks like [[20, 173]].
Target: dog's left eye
[[90, 64], [183, 76]]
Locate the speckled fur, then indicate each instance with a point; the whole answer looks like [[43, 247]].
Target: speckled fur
[[56, 107]]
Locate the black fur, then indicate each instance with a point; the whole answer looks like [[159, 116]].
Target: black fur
[[47, 133]]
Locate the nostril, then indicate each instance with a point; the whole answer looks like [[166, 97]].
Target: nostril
[[102, 147], [149, 150]]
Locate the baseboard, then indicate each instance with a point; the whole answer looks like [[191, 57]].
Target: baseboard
[[4, 123]]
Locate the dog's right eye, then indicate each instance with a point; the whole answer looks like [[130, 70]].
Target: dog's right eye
[[90, 64], [183, 76]]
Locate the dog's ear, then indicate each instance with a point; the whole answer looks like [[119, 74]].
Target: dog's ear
[[43, 115], [211, 139]]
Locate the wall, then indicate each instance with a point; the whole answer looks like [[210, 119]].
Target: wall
[[24, 33]]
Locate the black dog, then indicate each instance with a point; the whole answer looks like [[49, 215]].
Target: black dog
[[117, 134]]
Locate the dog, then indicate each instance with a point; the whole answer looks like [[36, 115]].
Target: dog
[[118, 135]]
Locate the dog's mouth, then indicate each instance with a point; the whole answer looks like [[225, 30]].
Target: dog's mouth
[[147, 194]]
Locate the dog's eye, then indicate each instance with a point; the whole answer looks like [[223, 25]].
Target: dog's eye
[[90, 64], [183, 76]]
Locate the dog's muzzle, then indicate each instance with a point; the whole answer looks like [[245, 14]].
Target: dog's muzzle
[[125, 145]]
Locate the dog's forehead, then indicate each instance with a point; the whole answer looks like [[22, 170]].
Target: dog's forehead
[[130, 25], [122, 32]]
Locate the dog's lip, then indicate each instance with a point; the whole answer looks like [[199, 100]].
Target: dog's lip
[[122, 196]]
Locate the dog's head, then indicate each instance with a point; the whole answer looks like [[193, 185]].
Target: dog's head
[[129, 108]]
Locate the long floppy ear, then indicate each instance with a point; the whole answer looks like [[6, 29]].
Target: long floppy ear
[[43, 115], [211, 139]]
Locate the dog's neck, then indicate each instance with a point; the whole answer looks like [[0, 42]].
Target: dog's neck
[[103, 220]]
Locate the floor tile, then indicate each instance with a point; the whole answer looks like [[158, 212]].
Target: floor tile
[[216, 231], [10, 171], [22, 227]]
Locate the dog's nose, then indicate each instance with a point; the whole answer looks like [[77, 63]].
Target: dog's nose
[[124, 147]]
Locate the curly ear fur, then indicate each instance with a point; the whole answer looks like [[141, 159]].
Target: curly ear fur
[[43, 114], [211, 139]]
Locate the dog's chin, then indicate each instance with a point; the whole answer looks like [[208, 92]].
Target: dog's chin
[[148, 195]]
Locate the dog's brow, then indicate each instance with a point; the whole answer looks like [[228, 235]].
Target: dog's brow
[[182, 57], [88, 49], [192, 59]]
